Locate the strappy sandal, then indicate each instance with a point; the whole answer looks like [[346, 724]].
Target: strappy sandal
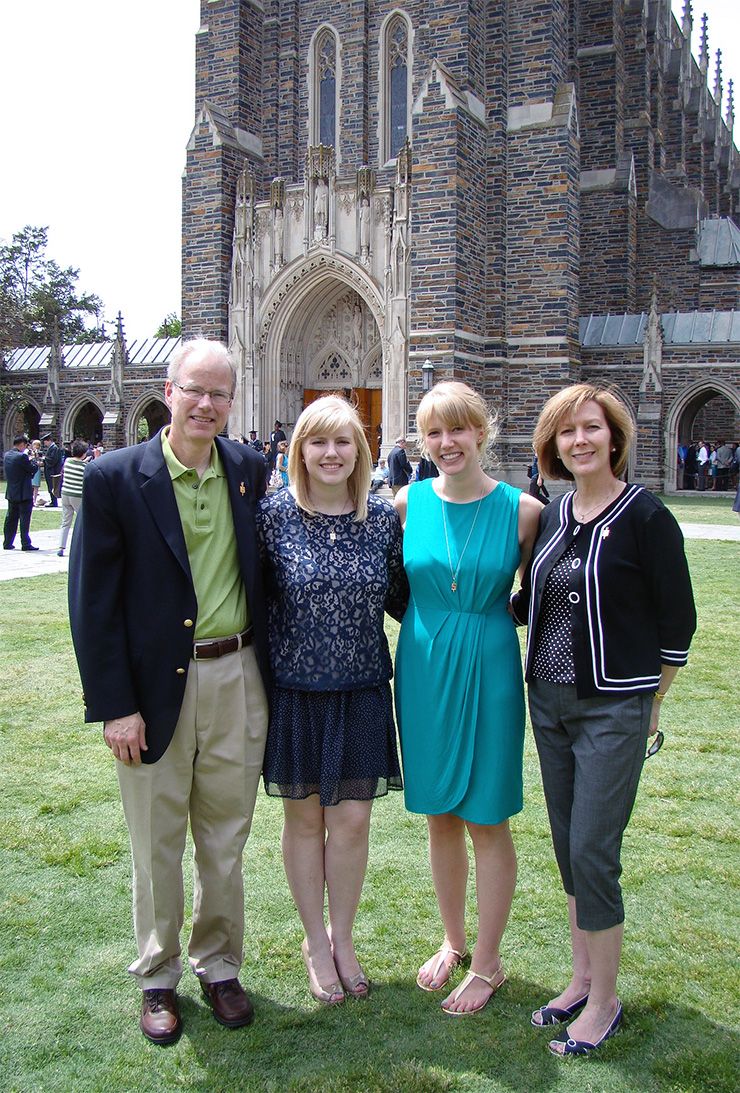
[[441, 966], [584, 1047], [492, 982], [556, 1015]]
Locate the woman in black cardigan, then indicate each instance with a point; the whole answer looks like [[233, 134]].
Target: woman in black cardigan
[[607, 597]]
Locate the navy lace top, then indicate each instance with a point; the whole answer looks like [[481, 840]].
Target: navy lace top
[[328, 581]]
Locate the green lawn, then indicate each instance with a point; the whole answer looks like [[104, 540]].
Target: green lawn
[[701, 508], [68, 1010]]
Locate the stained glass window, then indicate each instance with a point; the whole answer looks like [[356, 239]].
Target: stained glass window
[[397, 85], [327, 89]]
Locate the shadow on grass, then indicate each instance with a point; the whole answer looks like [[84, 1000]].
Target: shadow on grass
[[302, 1047]]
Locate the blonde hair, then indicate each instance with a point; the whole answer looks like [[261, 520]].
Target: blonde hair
[[564, 406], [328, 416], [454, 403]]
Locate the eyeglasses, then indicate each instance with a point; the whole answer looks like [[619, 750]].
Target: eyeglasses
[[220, 399], [656, 745]]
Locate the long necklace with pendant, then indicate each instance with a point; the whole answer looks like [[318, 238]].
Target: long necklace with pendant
[[454, 572], [337, 517]]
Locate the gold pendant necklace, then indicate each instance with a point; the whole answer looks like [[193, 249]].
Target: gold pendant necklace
[[602, 504], [337, 516], [454, 572]]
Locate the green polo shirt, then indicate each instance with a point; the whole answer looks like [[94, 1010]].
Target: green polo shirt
[[208, 527]]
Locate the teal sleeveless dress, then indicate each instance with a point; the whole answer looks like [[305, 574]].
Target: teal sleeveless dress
[[459, 690]]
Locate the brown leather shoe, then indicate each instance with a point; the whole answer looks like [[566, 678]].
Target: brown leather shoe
[[160, 1016], [230, 1003]]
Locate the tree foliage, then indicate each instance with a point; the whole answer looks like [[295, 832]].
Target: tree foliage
[[170, 327], [37, 295]]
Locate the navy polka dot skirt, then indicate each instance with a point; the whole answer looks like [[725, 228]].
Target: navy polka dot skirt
[[339, 744]]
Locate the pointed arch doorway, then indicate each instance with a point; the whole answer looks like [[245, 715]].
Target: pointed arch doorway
[[708, 409], [328, 340]]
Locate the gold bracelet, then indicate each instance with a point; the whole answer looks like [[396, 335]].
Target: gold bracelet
[[660, 695]]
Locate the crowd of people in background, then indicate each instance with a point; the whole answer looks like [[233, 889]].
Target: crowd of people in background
[[706, 466], [62, 468]]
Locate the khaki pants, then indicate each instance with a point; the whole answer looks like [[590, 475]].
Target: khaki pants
[[209, 774], [70, 507]]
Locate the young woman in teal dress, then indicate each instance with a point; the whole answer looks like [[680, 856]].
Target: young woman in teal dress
[[459, 690]]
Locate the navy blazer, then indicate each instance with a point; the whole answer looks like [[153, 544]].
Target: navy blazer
[[399, 468], [19, 470], [131, 591]]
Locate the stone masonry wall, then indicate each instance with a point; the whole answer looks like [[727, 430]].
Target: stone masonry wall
[[608, 252]]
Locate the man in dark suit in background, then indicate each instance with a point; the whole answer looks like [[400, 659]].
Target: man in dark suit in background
[[399, 468], [53, 463], [18, 470], [168, 622]]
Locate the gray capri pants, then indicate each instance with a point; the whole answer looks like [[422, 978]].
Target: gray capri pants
[[591, 755]]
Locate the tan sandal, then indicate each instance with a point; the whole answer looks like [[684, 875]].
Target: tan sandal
[[333, 995], [441, 965], [492, 982], [356, 986]]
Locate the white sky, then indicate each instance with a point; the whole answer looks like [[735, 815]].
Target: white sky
[[98, 104]]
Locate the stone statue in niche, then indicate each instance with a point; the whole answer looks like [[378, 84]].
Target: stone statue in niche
[[364, 227], [399, 249], [357, 331], [396, 350], [241, 214], [278, 235], [321, 209]]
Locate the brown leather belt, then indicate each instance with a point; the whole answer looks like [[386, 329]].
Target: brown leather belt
[[219, 647]]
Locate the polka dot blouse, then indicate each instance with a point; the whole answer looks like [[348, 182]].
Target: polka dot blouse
[[553, 656]]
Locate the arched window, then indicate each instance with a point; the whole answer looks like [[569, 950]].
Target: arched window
[[324, 88], [327, 77], [398, 44], [394, 85]]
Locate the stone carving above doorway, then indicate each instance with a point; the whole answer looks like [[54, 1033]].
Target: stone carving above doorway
[[342, 336]]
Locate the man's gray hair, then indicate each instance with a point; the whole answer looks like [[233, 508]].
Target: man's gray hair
[[217, 350]]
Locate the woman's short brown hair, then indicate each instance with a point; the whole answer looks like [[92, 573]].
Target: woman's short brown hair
[[454, 403], [565, 405], [327, 416]]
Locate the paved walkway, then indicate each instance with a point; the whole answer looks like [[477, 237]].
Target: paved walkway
[[18, 563], [712, 531]]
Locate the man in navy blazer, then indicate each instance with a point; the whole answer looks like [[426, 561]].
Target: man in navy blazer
[[399, 468], [18, 470], [168, 622]]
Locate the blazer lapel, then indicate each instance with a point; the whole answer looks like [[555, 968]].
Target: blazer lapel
[[243, 500], [157, 492]]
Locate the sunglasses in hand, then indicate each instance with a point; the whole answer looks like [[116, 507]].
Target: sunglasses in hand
[[656, 745]]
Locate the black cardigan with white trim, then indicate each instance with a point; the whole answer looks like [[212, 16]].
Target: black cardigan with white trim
[[632, 605]]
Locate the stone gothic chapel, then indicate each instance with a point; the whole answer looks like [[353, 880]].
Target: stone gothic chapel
[[520, 194]]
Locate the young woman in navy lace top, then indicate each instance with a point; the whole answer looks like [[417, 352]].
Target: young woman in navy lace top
[[333, 564]]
